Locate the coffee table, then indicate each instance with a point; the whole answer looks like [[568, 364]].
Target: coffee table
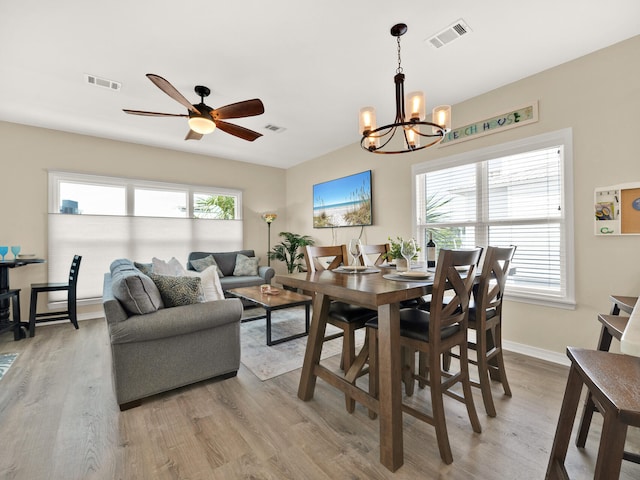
[[284, 299]]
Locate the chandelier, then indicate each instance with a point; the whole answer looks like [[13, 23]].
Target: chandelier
[[415, 129]]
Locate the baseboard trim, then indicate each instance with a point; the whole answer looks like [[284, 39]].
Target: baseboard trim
[[535, 352]]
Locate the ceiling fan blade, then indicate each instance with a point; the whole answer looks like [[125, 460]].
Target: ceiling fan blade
[[153, 114], [170, 90], [248, 108], [238, 131], [193, 135]]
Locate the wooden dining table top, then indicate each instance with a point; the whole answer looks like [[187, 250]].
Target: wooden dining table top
[[374, 291]]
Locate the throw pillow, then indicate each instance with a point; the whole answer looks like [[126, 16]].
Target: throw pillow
[[246, 265], [177, 291], [202, 264], [172, 267], [211, 288], [145, 268]]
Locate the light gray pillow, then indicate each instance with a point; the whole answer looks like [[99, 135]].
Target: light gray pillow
[[178, 291], [246, 266], [201, 264], [136, 292]]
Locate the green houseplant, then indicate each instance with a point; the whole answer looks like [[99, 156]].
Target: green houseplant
[[395, 252], [287, 250]]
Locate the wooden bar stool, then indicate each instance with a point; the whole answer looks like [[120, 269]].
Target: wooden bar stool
[[607, 377], [613, 326], [12, 296]]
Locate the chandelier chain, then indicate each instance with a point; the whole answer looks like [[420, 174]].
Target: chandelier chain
[[399, 69]]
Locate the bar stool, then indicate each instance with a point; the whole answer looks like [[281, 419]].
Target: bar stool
[[12, 296], [607, 377], [613, 326]]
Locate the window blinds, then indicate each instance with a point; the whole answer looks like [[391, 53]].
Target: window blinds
[[100, 239], [515, 199]]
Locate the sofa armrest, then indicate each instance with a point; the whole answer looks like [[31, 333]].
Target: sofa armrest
[[174, 321], [267, 273]]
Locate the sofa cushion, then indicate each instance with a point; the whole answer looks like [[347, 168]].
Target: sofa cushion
[[172, 267], [178, 291], [246, 266], [200, 264], [210, 283], [136, 292]]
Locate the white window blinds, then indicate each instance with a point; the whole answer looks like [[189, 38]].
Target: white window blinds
[[517, 199]]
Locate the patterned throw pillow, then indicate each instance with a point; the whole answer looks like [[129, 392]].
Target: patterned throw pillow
[[177, 291], [201, 264], [211, 288], [246, 266], [145, 268]]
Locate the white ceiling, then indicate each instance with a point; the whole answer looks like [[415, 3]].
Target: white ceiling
[[313, 64]]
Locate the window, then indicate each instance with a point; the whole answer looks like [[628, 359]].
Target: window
[[512, 194], [105, 218]]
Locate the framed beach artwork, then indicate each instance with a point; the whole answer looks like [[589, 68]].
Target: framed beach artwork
[[343, 202]]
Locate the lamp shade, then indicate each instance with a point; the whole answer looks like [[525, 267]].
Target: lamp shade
[[368, 124], [442, 116], [201, 125], [269, 217], [415, 106]]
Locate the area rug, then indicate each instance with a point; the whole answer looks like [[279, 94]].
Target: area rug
[[269, 362], [6, 360]]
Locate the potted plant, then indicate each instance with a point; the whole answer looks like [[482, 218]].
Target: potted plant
[[287, 250], [395, 252]]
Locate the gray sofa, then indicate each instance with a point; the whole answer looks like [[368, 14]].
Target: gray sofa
[[226, 261], [167, 348]]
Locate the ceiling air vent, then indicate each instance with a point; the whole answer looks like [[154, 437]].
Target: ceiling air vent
[[102, 82], [274, 128], [449, 34]]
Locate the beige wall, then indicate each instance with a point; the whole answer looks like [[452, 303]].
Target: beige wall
[[28, 153], [598, 96]]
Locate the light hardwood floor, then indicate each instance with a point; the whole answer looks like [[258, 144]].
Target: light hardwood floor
[[59, 420]]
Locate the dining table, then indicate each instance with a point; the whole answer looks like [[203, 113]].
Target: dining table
[[377, 290], [5, 266]]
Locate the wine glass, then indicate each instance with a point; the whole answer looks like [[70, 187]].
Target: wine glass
[[15, 249], [355, 249], [4, 251], [408, 251]]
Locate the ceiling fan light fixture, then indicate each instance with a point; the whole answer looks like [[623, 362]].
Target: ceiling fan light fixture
[[201, 124]]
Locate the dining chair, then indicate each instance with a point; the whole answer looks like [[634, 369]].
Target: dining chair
[[368, 250], [485, 318], [435, 332], [344, 316], [70, 287]]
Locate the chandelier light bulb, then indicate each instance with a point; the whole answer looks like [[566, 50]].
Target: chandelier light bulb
[[415, 106]]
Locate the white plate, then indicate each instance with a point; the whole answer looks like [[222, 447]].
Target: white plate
[[352, 268], [414, 274]]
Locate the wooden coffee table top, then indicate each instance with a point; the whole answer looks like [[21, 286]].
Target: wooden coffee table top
[[282, 299]]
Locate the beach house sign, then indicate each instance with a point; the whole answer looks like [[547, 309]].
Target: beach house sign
[[513, 118]]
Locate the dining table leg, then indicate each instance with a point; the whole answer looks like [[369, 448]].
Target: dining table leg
[[390, 387], [314, 346]]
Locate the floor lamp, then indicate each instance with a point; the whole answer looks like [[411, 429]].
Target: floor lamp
[[269, 218]]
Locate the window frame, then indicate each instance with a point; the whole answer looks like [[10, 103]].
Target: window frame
[[131, 184], [552, 139]]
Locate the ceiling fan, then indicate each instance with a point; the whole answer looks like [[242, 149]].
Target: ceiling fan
[[202, 118]]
